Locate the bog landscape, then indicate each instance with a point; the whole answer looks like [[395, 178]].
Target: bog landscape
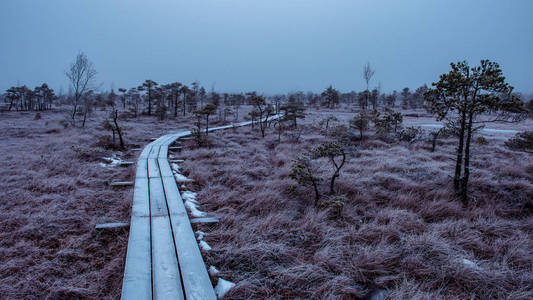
[[180, 184]]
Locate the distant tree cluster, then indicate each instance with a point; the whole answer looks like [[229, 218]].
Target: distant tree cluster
[[22, 98]]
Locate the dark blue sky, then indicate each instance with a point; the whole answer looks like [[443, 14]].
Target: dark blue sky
[[269, 46]]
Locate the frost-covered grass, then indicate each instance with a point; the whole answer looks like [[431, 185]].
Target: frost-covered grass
[[400, 229], [51, 198]]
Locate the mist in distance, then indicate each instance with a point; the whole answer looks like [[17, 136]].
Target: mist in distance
[[267, 46]]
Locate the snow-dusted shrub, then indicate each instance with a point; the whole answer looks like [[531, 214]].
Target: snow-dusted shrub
[[521, 141], [336, 155], [410, 134], [481, 140], [389, 123], [305, 173]]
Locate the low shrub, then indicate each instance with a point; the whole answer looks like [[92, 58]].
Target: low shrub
[[389, 123], [522, 141], [481, 140], [410, 134]]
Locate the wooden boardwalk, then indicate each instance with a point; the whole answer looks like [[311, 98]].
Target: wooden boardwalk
[[163, 260]]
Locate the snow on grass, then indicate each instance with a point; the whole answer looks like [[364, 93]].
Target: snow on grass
[[200, 235], [175, 167], [204, 245], [469, 263], [191, 203], [111, 161], [223, 286], [213, 271], [181, 178]]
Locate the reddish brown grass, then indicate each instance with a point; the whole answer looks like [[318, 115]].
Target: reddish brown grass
[[401, 230], [51, 197]]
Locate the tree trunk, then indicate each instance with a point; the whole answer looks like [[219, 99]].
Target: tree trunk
[[459, 161], [149, 102], [115, 117], [84, 117], [206, 126], [317, 194], [336, 174], [74, 109], [434, 142], [184, 104], [176, 106], [466, 175]]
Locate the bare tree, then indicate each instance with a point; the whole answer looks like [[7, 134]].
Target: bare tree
[[368, 73], [81, 76]]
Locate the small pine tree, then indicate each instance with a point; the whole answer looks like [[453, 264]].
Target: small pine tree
[[331, 150], [305, 174], [360, 122]]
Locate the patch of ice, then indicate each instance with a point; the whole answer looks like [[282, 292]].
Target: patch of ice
[[204, 245], [223, 286], [213, 271]]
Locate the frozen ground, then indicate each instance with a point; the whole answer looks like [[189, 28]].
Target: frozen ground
[[51, 198], [400, 230]]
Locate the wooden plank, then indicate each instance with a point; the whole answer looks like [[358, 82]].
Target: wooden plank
[[142, 168], [196, 281], [204, 220], [126, 163], [164, 167], [165, 271], [163, 150], [158, 203], [146, 151], [153, 168], [175, 148], [111, 225], [176, 160], [141, 204], [137, 282], [121, 183], [155, 150]]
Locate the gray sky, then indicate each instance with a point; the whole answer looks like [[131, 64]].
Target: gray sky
[[269, 46]]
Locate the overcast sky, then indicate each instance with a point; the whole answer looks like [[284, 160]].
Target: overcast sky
[[269, 46]]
